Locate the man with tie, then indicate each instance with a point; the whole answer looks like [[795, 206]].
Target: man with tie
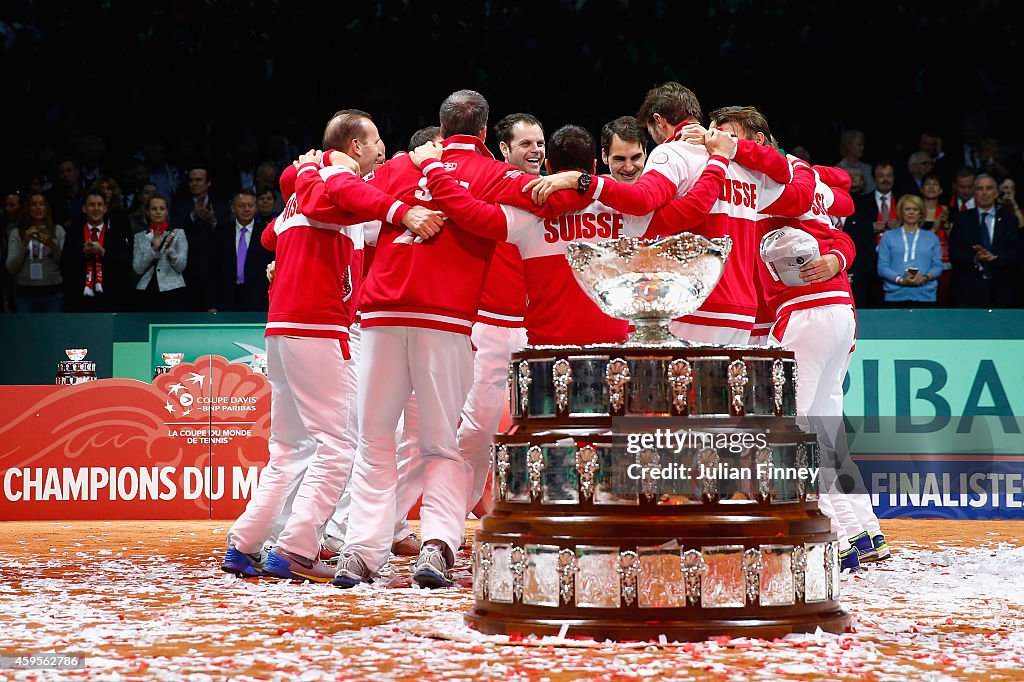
[[963, 191], [874, 213], [984, 250], [240, 261]]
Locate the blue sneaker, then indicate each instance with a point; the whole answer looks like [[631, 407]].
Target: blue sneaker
[[282, 564], [881, 548], [848, 559], [243, 565], [865, 548]]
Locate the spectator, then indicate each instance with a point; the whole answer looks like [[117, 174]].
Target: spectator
[[1008, 199], [266, 206], [856, 181], [138, 218], [134, 177], [161, 173], [910, 259], [239, 260], [851, 147], [918, 165], [199, 215], [268, 179], [990, 159], [98, 260], [67, 198], [159, 259], [963, 191], [33, 257], [936, 220], [984, 251], [12, 209], [874, 213], [91, 149]]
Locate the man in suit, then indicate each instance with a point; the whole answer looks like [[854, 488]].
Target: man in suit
[[874, 213], [239, 260], [199, 215], [984, 250], [97, 260]]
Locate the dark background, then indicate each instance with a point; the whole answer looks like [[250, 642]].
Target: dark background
[[210, 77]]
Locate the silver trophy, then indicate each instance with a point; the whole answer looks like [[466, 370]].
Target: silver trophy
[[650, 281]]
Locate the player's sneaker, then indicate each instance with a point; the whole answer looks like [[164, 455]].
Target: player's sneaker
[[351, 571], [327, 556], [849, 560], [432, 568], [865, 549], [407, 546], [282, 564], [881, 548], [243, 565]]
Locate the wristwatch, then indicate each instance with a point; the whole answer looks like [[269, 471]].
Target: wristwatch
[[583, 183]]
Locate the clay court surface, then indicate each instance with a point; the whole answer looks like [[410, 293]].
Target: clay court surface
[[146, 600]]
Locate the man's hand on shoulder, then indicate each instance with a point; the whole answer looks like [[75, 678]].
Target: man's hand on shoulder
[[425, 152], [336, 158], [312, 156], [694, 133], [423, 222], [541, 189], [721, 143]]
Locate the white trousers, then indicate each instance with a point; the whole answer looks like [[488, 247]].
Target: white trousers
[[486, 400], [311, 445], [438, 366], [704, 333], [821, 339], [337, 525]]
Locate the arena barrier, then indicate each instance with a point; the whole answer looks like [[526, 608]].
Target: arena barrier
[[933, 404]]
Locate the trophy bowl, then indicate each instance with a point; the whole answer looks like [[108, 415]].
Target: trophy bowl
[[650, 281], [172, 359], [76, 354]]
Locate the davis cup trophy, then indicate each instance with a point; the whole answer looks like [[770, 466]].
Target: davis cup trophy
[[654, 488]]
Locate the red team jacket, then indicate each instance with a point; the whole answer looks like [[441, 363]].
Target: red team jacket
[[559, 312], [755, 186], [319, 254], [436, 283]]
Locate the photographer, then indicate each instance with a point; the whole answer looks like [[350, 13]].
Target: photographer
[[910, 259], [161, 254], [1007, 199], [33, 257]]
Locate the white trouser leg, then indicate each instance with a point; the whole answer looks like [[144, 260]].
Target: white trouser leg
[[860, 499], [821, 339], [486, 400], [441, 365], [385, 385], [701, 333], [334, 531], [409, 465], [291, 448], [322, 383]]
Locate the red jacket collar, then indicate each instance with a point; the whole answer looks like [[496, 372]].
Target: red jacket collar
[[470, 143]]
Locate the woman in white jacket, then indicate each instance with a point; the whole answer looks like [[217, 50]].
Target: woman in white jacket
[[159, 259]]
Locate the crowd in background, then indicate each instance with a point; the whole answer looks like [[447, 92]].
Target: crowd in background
[[185, 105]]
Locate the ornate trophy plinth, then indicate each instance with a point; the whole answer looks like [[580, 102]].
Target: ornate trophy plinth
[[170, 361], [654, 489], [76, 369]]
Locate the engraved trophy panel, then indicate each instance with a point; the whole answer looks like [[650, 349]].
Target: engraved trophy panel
[[784, 459], [760, 395], [541, 389], [541, 575], [589, 393], [711, 393], [518, 480], [649, 389], [499, 578], [597, 577], [660, 583], [559, 478], [613, 484], [815, 582], [777, 585], [723, 584], [789, 370]]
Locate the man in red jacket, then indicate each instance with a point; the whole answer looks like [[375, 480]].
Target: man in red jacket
[[312, 380], [419, 302]]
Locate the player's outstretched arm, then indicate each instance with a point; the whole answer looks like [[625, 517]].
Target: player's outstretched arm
[[690, 211]]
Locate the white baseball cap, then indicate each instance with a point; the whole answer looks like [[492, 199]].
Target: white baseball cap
[[786, 249]]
